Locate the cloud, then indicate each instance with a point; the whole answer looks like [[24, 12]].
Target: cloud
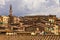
[[47, 11], [32, 7], [36, 4], [2, 2], [57, 1]]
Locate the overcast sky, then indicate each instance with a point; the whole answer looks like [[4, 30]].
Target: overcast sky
[[30, 7]]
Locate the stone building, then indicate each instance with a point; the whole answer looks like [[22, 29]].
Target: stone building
[[40, 22], [5, 20], [16, 20], [10, 16], [1, 21], [58, 23]]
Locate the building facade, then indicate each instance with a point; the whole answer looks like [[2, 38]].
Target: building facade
[[5, 20]]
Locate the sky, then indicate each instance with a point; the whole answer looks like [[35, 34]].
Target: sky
[[30, 7]]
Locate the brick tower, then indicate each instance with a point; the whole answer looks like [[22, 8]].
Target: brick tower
[[10, 11], [10, 15]]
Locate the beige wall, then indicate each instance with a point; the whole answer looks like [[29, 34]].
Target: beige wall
[[55, 31], [16, 19], [5, 20]]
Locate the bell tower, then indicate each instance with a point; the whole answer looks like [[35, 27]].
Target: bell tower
[[10, 15], [10, 10]]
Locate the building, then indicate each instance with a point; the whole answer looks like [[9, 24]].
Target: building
[[42, 24], [10, 16], [5, 20], [16, 20], [1, 21], [58, 23]]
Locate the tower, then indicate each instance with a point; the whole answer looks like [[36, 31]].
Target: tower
[[10, 15], [10, 10]]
